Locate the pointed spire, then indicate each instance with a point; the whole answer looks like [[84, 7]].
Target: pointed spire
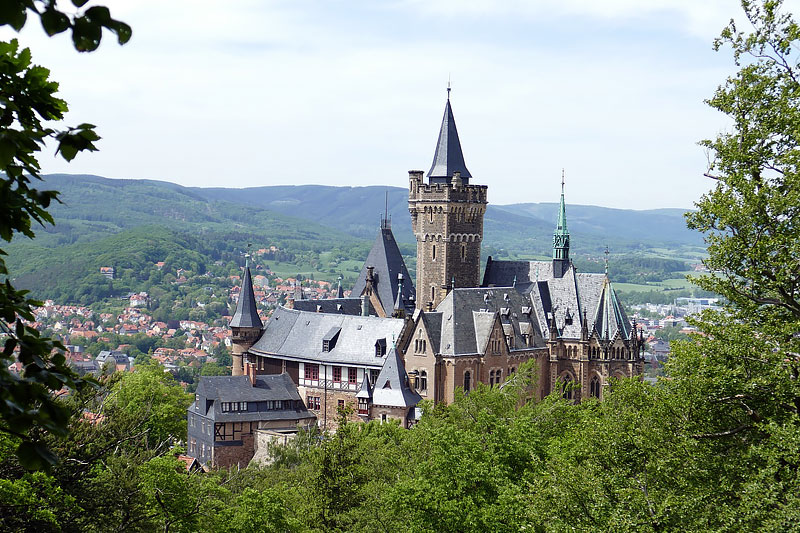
[[246, 315], [399, 305], [448, 158], [561, 238], [392, 387]]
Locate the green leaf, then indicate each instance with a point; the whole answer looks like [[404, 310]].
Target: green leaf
[[13, 13], [35, 456], [54, 22]]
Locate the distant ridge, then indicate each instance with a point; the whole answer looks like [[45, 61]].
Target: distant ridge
[[95, 204]]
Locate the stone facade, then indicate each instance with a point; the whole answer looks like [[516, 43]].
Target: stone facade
[[447, 220]]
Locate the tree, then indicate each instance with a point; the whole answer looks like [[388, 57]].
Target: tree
[[27, 101]]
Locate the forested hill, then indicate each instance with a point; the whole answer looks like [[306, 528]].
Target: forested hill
[[322, 231], [530, 225]]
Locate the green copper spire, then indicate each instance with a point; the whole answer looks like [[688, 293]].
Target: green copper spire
[[561, 235]]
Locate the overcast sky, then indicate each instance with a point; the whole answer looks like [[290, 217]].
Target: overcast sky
[[249, 93]]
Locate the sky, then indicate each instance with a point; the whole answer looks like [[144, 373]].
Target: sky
[[248, 93]]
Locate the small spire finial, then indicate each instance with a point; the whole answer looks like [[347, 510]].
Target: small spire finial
[[448, 86], [247, 255], [606, 260], [562, 181]]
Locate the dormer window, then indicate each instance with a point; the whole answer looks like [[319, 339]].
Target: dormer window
[[330, 338], [380, 348]]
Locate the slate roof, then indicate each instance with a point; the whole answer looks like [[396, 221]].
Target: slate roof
[[392, 387], [388, 262], [568, 296], [344, 306], [466, 317], [239, 389], [298, 335], [448, 157], [246, 315]]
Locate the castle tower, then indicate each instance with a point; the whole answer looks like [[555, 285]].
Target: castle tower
[[447, 219], [561, 259], [246, 324]]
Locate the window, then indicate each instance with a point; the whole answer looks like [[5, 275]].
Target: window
[[423, 381], [420, 346], [311, 371], [433, 253], [467, 381], [433, 293], [498, 377], [352, 376], [463, 252], [510, 341], [373, 376], [594, 387], [242, 406], [384, 418], [363, 406], [430, 213], [226, 407], [340, 405], [337, 374], [380, 347], [491, 378], [312, 402]]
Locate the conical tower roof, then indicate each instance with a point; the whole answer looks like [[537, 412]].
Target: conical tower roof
[[448, 157], [388, 262], [246, 315], [391, 387]]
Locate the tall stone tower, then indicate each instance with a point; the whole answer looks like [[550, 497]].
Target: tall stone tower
[[246, 324], [447, 219]]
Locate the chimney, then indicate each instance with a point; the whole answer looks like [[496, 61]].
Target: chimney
[[251, 372]]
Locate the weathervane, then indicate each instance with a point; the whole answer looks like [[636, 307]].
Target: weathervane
[[562, 181], [606, 260], [448, 86], [247, 255]]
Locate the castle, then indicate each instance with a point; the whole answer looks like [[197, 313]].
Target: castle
[[394, 343]]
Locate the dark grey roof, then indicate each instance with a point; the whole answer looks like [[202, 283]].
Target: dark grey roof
[[246, 315], [388, 262], [467, 316], [569, 296], [433, 324], [298, 335], [391, 386], [220, 389], [344, 306], [448, 157], [366, 388]]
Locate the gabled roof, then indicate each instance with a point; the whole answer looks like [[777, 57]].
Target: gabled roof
[[217, 389], [448, 157], [391, 387], [569, 296], [246, 315], [298, 335], [466, 317], [388, 262]]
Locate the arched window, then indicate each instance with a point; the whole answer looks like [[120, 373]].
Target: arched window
[[423, 381], [567, 388], [463, 252], [467, 381], [594, 387], [491, 378]]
